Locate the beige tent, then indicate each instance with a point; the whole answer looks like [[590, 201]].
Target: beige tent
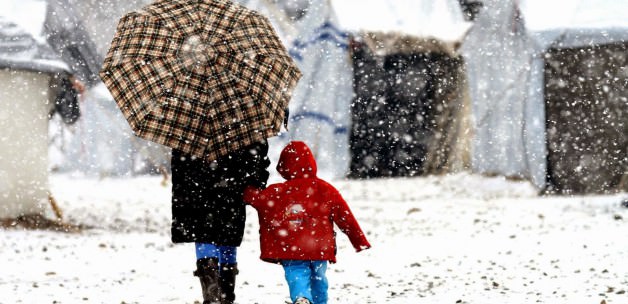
[[35, 82], [409, 113], [24, 142]]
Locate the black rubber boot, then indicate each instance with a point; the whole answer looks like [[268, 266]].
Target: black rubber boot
[[208, 272], [228, 274]]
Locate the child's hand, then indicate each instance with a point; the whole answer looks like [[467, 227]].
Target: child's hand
[[250, 194], [362, 247]]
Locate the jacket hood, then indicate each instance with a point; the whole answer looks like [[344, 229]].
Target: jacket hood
[[296, 161]]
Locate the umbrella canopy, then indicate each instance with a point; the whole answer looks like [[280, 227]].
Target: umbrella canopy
[[203, 76]]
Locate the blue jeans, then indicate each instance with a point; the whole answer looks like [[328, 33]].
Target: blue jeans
[[307, 279], [225, 254]]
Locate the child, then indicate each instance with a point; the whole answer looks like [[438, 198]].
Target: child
[[296, 224]]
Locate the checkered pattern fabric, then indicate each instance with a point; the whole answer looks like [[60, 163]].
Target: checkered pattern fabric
[[203, 76]]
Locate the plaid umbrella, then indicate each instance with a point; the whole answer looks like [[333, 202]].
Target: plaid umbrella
[[203, 76]]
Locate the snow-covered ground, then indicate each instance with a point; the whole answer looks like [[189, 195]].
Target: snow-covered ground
[[449, 239]]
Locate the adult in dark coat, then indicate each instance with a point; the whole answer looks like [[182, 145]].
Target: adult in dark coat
[[208, 209]]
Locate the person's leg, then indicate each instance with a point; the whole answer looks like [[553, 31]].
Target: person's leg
[[208, 271], [228, 272], [228, 267], [319, 282], [298, 279], [207, 250]]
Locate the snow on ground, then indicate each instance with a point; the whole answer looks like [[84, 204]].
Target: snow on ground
[[450, 239]]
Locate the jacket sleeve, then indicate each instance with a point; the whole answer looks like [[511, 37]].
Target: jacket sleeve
[[258, 163], [344, 219], [252, 196]]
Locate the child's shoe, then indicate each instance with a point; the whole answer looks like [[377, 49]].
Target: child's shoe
[[302, 301]]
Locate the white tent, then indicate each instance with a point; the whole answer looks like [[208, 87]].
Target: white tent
[[277, 16], [505, 53], [24, 105], [23, 44], [508, 127], [37, 53], [320, 106]]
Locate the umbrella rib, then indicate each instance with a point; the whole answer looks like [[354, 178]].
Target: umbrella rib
[[201, 76]]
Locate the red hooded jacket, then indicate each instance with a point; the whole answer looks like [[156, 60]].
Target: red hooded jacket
[[297, 216]]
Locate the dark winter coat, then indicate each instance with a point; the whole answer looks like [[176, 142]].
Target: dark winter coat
[[297, 216], [207, 203]]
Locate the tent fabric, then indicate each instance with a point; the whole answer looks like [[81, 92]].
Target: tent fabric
[[103, 143], [277, 16], [540, 15], [409, 84], [46, 36], [387, 43], [24, 45], [442, 20], [581, 23], [320, 105], [506, 57], [513, 146], [100, 18], [67, 35], [20, 50], [405, 115], [586, 118]]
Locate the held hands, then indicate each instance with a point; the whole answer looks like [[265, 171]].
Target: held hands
[[362, 247], [251, 194]]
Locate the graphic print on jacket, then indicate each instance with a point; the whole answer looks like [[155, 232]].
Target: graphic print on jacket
[[297, 216]]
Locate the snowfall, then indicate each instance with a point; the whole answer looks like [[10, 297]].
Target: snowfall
[[457, 238]]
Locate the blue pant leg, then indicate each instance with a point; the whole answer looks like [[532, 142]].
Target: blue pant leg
[[319, 282], [228, 255], [225, 254], [206, 250], [298, 275]]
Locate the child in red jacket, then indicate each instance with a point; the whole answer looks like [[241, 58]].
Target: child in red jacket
[[296, 224]]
